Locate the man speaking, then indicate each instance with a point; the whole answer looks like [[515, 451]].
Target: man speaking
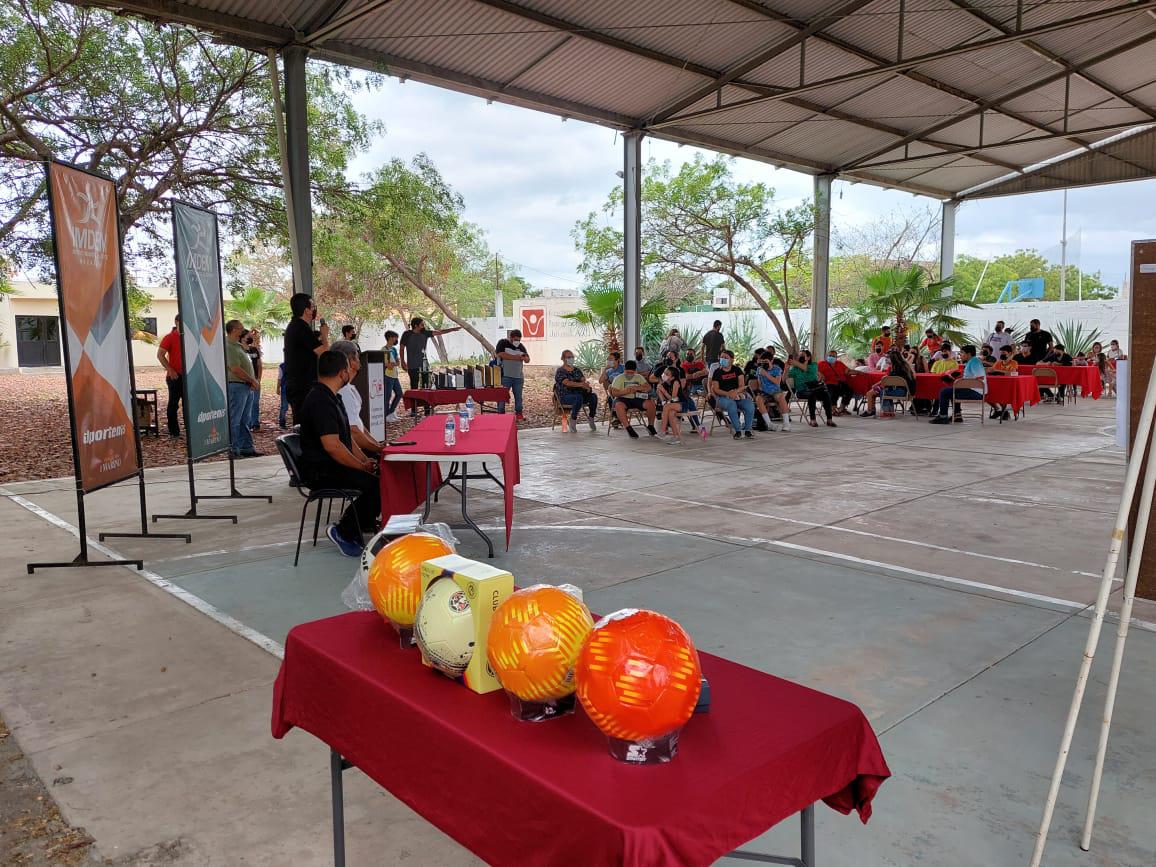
[[303, 346]]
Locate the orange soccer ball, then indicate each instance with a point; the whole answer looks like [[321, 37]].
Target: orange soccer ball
[[534, 641], [395, 576], [638, 675]]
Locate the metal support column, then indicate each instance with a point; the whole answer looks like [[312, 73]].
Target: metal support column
[[820, 273], [632, 243], [297, 142], [947, 240]]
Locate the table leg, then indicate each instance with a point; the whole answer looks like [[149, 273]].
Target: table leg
[[807, 835], [465, 513], [337, 766], [428, 485]]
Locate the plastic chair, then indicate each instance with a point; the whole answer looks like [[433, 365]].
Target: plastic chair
[[289, 447], [963, 384]]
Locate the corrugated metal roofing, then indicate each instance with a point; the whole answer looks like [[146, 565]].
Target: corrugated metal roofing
[[786, 81]]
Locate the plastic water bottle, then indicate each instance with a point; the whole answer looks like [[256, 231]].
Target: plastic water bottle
[[470, 407], [451, 431], [464, 420]]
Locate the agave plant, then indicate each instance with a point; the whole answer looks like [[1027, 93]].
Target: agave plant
[[1073, 336], [902, 298], [742, 337], [803, 335], [590, 355]]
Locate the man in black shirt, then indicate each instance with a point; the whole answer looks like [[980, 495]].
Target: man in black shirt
[[303, 345], [1039, 340], [412, 347], [330, 459]]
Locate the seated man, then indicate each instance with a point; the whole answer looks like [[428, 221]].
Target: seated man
[[986, 355], [1057, 356], [575, 392], [838, 379], [1004, 366], [728, 386], [351, 398], [613, 368], [1024, 356], [331, 459], [695, 372], [972, 369], [944, 361], [631, 390], [769, 376]]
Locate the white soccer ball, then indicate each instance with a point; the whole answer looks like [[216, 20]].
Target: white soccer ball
[[379, 541], [444, 628]]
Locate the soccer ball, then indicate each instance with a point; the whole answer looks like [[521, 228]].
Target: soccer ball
[[638, 675], [365, 563], [394, 581], [534, 641], [444, 627]]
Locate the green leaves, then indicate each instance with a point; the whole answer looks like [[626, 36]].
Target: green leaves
[[259, 308]]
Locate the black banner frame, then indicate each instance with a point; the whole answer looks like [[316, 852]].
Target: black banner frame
[[192, 514], [82, 558]]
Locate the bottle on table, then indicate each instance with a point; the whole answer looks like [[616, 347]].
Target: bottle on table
[[470, 406], [464, 420], [451, 431]]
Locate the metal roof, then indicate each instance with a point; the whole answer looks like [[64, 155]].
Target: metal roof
[[949, 98]]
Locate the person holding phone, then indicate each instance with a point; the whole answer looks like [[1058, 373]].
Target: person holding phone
[[303, 346]]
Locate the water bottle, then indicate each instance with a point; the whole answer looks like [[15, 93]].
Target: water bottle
[[470, 407], [451, 431], [464, 420]]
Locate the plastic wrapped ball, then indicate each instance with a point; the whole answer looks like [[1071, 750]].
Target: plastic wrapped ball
[[444, 627], [638, 675], [394, 581], [535, 638]]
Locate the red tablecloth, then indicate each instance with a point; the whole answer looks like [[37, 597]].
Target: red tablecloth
[[1087, 378], [443, 396], [1015, 391], [403, 481], [549, 793]]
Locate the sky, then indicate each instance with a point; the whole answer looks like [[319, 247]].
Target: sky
[[527, 177]]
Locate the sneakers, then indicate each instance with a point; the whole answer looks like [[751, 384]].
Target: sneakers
[[250, 453], [866, 414], [1006, 415], [786, 425], [573, 428], [650, 430], [940, 419], [831, 423], [345, 546], [748, 435], [737, 435], [632, 432], [593, 424]]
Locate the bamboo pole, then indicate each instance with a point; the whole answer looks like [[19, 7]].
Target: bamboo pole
[[1132, 475], [1134, 556], [282, 144]]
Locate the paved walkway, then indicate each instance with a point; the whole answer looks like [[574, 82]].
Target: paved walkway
[[933, 576]]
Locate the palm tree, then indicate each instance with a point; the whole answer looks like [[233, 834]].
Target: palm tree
[[603, 313], [900, 297], [258, 308]]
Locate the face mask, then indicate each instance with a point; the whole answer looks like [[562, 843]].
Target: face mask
[[567, 360], [638, 356], [831, 359], [725, 363]]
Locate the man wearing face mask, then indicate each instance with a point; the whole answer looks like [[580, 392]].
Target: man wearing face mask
[[331, 459], [243, 389], [944, 362], [728, 385], [641, 364], [512, 356], [838, 379]]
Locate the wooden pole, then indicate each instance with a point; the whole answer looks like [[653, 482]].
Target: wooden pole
[[1131, 477]]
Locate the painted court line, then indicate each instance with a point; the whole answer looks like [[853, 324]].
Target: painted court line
[[211, 611]]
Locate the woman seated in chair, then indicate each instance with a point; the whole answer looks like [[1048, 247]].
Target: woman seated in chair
[[899, 367], [769, 390], [809, 385], [674, 400]]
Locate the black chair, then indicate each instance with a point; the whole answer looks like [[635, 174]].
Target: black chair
[[289, 447]]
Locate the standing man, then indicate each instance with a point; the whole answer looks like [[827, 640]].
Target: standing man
[[169, 355], [999, 338], [303, 346], [1039, 341], [712, 344], [885, 338], [513, 356], [243, 389], [251, 341], [412, 345], [348, 332]]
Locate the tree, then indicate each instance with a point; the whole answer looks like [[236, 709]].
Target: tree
[[702, 220], [904, 298], [1019, 265], [259, 308], [163, 110], [603, 311]]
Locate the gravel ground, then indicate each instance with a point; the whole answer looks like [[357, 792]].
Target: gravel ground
[[34, 435]]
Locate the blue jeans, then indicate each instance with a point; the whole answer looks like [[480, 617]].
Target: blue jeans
[[575, 402], [515, 385], [392, 394], [283, 412], [733, 407], [944, 407], [253, 419], [240, 397]]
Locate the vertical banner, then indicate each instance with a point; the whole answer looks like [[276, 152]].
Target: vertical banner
[[197, 251], [375, 406], [92, 306]]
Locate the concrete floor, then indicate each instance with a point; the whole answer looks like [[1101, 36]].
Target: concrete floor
[[934, 576]]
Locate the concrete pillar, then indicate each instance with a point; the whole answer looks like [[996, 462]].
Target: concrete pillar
[[632, 243], [820, 274], [947, 240], [297, 144]]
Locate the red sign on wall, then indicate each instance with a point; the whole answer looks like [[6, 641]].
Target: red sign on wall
[[533, 323]]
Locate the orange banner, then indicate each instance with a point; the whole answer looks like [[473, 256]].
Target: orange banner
[[92, 304]]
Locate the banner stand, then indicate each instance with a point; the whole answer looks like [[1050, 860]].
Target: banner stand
[[197, 255], [92, 214]]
